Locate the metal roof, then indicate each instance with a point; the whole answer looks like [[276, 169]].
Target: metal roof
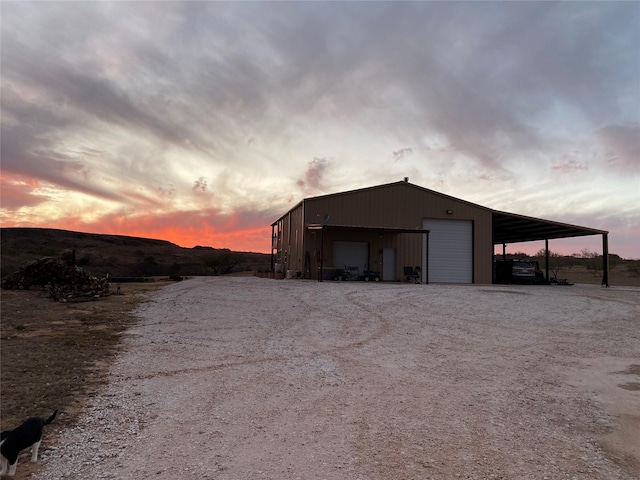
[[513, 228], [507, 227]]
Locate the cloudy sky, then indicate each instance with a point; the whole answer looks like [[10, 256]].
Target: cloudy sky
[[202, 122]]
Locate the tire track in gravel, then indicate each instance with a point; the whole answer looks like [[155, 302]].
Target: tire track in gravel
[[349, 298]]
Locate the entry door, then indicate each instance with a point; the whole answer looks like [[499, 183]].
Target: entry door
[[450, 251], [389, 264]]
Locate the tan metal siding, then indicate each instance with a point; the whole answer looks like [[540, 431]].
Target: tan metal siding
[[409, 252], [289, 240], [405, 206], [295, 254]]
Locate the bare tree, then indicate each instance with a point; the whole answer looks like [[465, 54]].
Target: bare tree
[[556, 261], [592, 261]]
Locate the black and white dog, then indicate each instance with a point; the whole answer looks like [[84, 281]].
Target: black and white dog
[[12, 442]]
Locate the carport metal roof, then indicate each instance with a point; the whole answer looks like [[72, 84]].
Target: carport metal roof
[[512, 228]]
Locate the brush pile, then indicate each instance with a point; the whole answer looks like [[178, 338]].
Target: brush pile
[[64, 282]]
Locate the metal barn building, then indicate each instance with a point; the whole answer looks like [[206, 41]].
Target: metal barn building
[[381, 232]]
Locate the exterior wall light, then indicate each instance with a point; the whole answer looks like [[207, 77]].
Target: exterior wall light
[[449, 212]]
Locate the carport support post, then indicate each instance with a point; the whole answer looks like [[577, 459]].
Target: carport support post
[[321, 254], [605, 260], [425, 274], [546, 258]]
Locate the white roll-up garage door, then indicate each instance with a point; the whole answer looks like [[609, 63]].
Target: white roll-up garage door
[[351, 254], [450, 250]]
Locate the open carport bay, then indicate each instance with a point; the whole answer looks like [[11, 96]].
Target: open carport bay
[[247, 378]]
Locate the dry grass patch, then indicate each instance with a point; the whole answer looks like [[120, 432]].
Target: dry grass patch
[[54, 354]]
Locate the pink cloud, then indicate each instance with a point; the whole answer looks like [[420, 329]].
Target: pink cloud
[[569, 166], [402, 153], [200, 185], [314, 174], [17, 192]]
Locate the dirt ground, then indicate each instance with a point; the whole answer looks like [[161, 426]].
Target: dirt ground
[[619, 276], [247, 378], [55, 355]]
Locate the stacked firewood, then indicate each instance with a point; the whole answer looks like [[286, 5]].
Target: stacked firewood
[[64, 282]]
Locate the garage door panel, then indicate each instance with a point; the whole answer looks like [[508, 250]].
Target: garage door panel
[[450, 250], [351, 254]]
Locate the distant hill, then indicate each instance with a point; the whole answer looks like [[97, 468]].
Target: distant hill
[[116, 255]]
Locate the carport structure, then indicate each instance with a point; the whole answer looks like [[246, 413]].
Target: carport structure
[[513, 228]]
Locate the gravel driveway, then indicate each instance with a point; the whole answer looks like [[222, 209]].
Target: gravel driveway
[[245, 378]]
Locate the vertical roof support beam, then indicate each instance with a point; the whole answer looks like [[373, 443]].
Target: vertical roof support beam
[[605, 260], [426, 270], [321, 254], [546, 259]]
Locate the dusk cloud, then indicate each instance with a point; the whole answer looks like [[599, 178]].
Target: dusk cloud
[[314, 175], [172, 108]]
